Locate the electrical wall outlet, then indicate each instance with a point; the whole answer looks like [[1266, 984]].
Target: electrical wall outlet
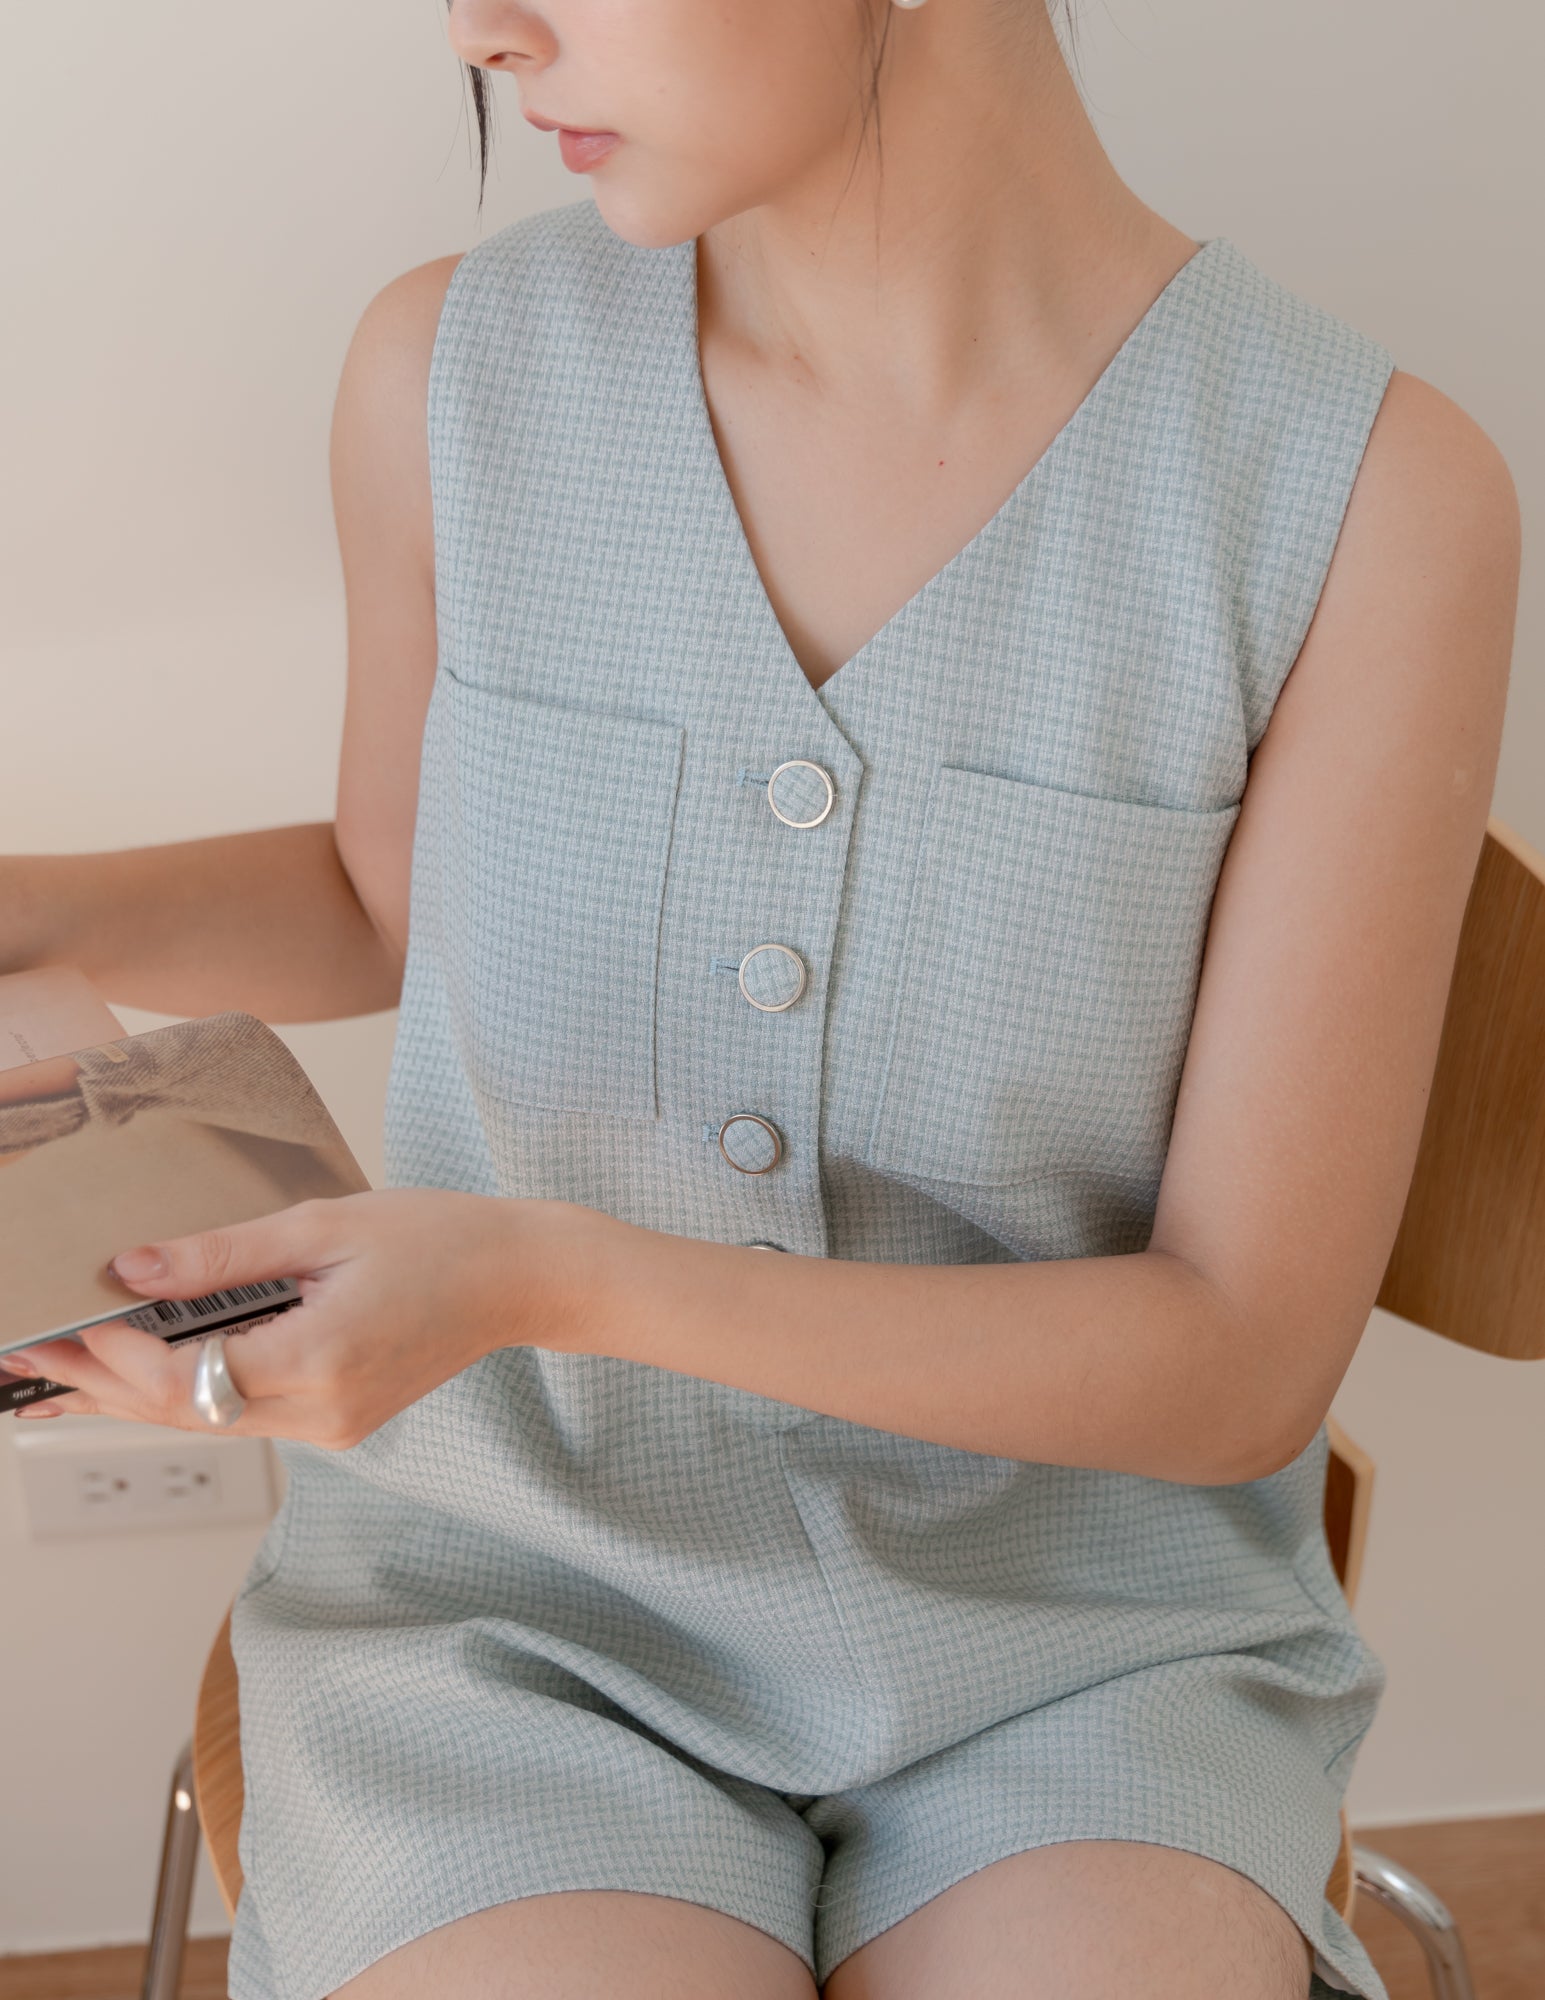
[[96, 1476]]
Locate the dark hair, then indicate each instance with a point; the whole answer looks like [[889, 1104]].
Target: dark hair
[[482, 95], [483, 108]]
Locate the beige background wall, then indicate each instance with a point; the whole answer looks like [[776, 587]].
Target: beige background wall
[[198, 203]]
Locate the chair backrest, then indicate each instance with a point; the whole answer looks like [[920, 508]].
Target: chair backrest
[[1348, 1497], [1469, 1259], [217, 1779]]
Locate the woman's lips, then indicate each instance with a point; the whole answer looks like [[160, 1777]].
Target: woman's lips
[[581, 149]]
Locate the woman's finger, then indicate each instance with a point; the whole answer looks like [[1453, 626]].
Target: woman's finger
[[135, 1359], [289, 1244], [76, 1404], [155, 1391], [146, 1363], [51, 1359], [157, 1387], [118, 1371], [68, 1362], [49, 1355]]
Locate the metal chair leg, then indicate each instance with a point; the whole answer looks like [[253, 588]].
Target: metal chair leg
[[1424, 1916], [174, 1889]]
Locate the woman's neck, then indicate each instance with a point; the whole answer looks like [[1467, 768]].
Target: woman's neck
[[995, 237]]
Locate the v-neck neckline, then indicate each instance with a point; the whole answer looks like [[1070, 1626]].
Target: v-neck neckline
[[734, 529]]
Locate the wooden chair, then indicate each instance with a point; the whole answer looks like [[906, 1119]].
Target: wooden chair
[[1468, 1264], [1469, 1257]]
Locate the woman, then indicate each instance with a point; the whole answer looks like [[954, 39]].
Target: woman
[[831, 606]]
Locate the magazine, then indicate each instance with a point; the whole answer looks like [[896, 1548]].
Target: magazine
[[109, 1139]]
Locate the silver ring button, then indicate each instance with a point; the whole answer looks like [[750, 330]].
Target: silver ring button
[[751, 1144], [772, 977], [801, 793]]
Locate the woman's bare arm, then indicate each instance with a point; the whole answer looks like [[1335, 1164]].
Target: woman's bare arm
[[266, 921], [292, 923], [381, 498], [1213, 1355]]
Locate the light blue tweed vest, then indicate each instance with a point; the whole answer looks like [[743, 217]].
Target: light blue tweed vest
[[1033, 771]]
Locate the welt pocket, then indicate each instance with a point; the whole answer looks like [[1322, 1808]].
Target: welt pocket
[[557, 825], [1048, 978]]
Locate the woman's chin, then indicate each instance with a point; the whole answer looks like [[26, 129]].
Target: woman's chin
[[639, 223], [652, 218]]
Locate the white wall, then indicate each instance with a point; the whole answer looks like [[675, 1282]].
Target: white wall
[[198, 204]]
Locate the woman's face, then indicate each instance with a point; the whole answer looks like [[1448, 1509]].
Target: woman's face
[[718, 105]]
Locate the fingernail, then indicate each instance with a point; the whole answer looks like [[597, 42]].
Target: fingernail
[[135, 1266], [40, 1410], [17, 1364]]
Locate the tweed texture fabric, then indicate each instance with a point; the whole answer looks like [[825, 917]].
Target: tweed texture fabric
[[572, 1621]]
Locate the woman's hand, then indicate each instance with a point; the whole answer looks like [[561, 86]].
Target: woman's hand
[[401, 1289]]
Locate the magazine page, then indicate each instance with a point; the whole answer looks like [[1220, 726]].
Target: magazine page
[[189, 1127]]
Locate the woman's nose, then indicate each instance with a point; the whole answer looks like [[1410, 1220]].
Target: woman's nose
[[500, 34]]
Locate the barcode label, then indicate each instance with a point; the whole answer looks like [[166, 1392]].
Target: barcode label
[[163, 1314]]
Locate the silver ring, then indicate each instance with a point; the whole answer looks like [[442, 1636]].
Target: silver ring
[[216, 1397]]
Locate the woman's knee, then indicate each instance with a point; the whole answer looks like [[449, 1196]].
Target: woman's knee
[[582, 1944], [1087, 1920]]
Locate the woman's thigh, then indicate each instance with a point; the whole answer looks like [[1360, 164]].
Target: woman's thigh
[[1087, 1920], [581, 1944]]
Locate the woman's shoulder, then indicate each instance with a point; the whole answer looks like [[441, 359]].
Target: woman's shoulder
[[383, 386], [1287, 408], [543, 324], [1432, 532], [1295, 370], [1289, 360], [562, 266], [539, 259], [1425, 442], [400, 321], [1282, 364], [570, 231]]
